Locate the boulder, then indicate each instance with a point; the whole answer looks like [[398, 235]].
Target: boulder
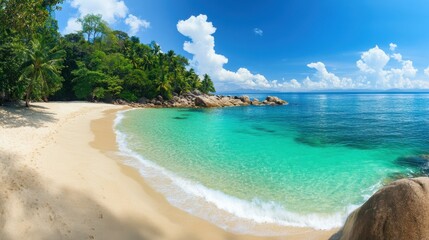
[[209, 102], [120, 102], [255, 102], [275, 100], [196, 92], [143, 100], [238, 102], [245, 99], [226, 102], [398, 211], [176, 98]]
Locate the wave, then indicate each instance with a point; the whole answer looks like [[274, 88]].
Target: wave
[[226, 211]]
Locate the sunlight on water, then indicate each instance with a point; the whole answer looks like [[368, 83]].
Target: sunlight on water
[[305, 164]]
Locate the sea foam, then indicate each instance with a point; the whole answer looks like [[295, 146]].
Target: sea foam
[[226, 211]]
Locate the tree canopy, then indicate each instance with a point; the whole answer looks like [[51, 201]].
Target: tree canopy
[[95, 64]]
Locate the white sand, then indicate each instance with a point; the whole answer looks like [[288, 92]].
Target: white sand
[[60, 178]]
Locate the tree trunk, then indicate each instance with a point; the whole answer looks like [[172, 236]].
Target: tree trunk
[[27, 95]]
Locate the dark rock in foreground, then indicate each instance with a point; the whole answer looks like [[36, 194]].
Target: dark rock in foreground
[[398, 211], [198, 100]]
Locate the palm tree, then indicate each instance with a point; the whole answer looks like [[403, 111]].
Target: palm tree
[[207, 85], [193, 79], [163, 87], [42, 70]]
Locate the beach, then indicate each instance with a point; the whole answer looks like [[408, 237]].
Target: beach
[[62, 178]]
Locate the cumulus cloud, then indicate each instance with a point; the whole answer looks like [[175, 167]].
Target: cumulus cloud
[[110, 10], [373, 60], [258, 31], [373, 71], [136, 24], [72, 26], [326, 80], [206, 60]]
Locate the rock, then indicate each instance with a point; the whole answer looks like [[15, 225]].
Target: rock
[[398, 211], [237, 102], [275, 100], [198, 99], [197, 92], [120, 102], [245, 99], [209, 102], [226, 102], [143, 100], [255, 102]]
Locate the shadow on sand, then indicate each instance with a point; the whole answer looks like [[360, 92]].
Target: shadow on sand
[[65, 214], [14, 116]]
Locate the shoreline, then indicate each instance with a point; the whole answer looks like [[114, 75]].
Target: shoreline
[[69, 182]]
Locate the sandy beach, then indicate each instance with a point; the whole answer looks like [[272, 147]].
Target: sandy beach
[[61, 178]]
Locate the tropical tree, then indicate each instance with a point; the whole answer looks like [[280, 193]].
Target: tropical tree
[[26, 17], [163, 87], [207, 85], [41, 71], [93, 26], [193, 79]]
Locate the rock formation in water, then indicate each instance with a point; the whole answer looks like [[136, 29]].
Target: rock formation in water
[[198, 100], [398, 211]]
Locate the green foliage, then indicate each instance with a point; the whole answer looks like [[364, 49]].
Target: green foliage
[[41, 71], [26, 17], [207, 85], [11, 59], [86, 82], [93, 26], [21, 21], [96, 64]]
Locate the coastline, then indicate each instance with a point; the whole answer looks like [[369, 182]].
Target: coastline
[[73, 184]]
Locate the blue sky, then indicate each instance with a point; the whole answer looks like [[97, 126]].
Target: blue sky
[[298, 45]]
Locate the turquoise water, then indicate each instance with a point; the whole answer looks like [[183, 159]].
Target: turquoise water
[[307, 164]]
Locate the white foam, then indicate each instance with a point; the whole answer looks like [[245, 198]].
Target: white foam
[[212, 205]]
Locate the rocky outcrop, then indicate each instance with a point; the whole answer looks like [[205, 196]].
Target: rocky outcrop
[[198, 100], [398, 211], [208, 102]]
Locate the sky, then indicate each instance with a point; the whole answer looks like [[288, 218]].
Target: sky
[[280, 45]]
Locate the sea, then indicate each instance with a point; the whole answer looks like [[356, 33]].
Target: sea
[[306, 164]]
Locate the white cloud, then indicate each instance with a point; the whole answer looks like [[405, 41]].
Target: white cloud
[[373, 67], [397, 57], [258, 31], [326, 80], [111, 11], [373, 60], [136, 24], [72, 26], [206, 60]]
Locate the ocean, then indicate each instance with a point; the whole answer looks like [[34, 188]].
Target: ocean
[[306, 164]]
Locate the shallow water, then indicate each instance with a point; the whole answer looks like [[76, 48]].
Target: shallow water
[[309, 163]]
